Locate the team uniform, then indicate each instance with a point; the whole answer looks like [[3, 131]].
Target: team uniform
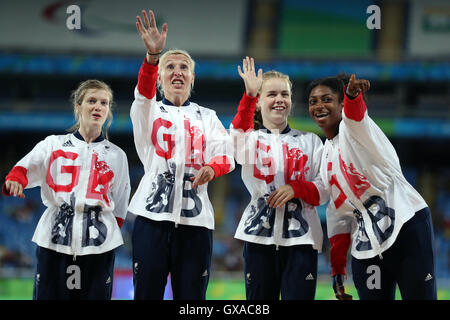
[[173, 230], [281, 245], [376, 211], [86, 189]]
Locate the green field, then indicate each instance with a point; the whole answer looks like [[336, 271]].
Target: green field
[[235, 290], [219, 289]]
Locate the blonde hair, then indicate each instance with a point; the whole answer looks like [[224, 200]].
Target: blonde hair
[[77, 98], [257, 119], [165, 56]]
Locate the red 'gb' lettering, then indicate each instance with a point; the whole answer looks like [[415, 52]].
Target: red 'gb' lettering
[[294, 163], [100, 175], [100, 178], [73, 170], [168, 138], [333, 181], [265, 162], [355, 180], [194, 145]]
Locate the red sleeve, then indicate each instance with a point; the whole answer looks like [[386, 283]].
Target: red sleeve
[[246, 112], [148, 74], [306, 190], [120, 222], [338, 253], [220, 165], [18, 174], [354, 108]]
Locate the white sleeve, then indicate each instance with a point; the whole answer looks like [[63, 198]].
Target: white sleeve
[[140, 115], [367, 133], [338, 223], [316, 163], [219, 142], [34, 163], [241, 145], [121, 188]]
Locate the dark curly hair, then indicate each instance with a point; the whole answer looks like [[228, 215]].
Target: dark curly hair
[[336, 84]]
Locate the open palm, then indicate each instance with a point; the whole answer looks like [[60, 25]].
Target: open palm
[[154, 40], [252, 80]]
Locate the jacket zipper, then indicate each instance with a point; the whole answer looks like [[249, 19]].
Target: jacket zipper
[[76, 237], [279, 163]]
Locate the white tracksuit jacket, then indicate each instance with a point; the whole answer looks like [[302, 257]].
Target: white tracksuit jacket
[[85, 188], [370, 197], [173, 143], [270, 161]]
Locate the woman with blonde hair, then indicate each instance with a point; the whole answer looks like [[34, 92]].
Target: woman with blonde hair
[[85, 185], [182, 146], [280, 168]]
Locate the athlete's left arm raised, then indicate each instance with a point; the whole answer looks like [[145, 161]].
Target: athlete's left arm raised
[[362, 128]]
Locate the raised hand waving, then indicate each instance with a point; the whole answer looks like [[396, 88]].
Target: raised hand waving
[[154, 41], [252, 80]]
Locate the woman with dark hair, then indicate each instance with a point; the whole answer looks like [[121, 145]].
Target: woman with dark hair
[[85, 185], [372, 207]]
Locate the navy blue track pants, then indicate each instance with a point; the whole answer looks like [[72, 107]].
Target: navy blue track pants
[[290, 271], [408, 263], [160, 248], [60, 277]]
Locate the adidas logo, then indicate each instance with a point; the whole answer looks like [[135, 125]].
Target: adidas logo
[[309, 277], [108, 280], [428, 277], [162, 109], [205, 273], [68, 143]]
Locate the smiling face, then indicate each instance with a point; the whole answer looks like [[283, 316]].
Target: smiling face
[[176, 77], [94, 109], [325, 109], [275, 103]]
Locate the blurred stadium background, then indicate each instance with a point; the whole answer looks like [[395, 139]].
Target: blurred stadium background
[[42, 61]]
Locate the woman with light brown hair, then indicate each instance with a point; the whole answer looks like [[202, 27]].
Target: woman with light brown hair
[[85, 186]]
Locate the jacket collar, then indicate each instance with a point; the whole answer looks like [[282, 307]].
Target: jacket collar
[[286, 130], [337, 131], [100, 138], [168, 103]]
